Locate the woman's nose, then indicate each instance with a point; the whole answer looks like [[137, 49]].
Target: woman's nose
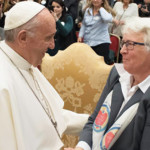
[[123, 49]]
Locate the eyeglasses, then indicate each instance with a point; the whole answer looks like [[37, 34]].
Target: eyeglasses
[[130, 44]]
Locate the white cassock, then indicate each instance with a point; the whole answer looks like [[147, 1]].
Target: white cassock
[[24, 124]]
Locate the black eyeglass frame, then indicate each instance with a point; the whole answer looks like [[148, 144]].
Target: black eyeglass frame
[[130, 43]]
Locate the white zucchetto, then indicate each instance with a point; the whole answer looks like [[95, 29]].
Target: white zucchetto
[[21, 13]]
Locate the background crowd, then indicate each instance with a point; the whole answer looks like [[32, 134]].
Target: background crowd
[[88, 21]]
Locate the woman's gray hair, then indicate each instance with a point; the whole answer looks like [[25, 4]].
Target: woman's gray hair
[[139, 25], [30, 27]]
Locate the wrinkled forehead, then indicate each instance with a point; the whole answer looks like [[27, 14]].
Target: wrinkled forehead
[[133, 36], [47, 20]]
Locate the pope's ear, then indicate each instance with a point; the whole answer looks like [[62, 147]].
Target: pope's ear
[[22, 37]]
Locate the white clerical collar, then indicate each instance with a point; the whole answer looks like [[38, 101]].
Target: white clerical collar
[[18, 60], [128, 78]]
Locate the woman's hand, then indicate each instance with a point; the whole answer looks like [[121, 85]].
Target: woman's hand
[[54, 15], [79, 39], [139, 5], [79, 24], [144, 10], [116, 22]]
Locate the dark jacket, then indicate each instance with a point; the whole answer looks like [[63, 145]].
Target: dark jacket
[[144, 14], [137, 133]]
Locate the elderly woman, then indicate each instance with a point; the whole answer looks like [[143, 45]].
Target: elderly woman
[[94, 29], [121, 120], [123, 9]]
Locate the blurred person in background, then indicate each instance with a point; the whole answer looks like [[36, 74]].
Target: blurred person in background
[[94, 29], [64, 25], [9, 4], [81, 10], [72, 7], [144, 8], [123, 9]]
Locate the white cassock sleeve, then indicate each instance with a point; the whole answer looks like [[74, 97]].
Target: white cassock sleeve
[[74, 121], [7, 133]]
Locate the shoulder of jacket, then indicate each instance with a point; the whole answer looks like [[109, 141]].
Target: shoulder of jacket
[[114, 74]]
